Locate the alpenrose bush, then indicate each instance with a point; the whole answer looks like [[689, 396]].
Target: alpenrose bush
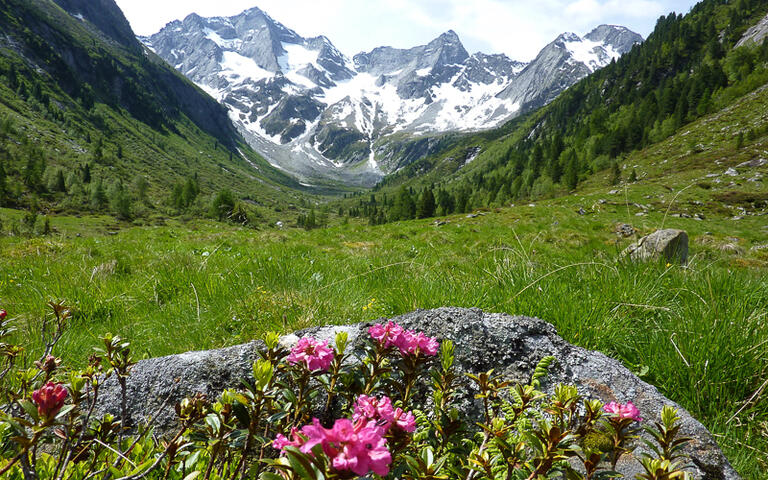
[[319, 411]]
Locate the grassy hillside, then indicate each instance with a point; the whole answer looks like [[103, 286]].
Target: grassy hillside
[[86, 123]]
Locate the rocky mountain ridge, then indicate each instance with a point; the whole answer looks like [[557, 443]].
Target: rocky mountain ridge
[[316, 113]]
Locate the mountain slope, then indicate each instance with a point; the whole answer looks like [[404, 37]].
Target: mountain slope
[[312, 111], [689, 67], [84, 107]]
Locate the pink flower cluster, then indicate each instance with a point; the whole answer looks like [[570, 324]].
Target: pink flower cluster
[[378, 412], [356, 447], [313, 353], [408, 342], [3, 314], [49, 399], [624, 410]]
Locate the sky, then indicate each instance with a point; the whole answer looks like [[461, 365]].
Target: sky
[[518, 28]]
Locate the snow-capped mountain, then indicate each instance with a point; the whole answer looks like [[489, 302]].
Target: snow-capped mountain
[[318, 114]]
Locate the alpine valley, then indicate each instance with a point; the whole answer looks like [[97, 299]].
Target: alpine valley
[[323, 117]]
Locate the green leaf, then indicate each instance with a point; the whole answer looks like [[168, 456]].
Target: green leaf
[[241, 413], [30, 408], [193, 475], [300, 463], [269, 476], [65, 411]]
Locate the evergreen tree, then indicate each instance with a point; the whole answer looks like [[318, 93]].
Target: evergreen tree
[[426, 207], [404, 207], [615, 174], [222, 205], [98, 198], [571, 176], [3, 184]]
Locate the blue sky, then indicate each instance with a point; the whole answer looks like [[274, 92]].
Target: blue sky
[[514, 27]]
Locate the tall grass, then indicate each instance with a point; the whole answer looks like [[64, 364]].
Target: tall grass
[[698, 332]]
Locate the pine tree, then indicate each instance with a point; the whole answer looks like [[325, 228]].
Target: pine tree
[[615, 174], [571, 176], [426, 207]]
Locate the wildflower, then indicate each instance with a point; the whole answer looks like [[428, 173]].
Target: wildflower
[[375, 411], [49, 364], [313, 353], [351, 446], [407, 341], [281, 441], [387, 335], [49, 399], [404, 420], [627, 410], [3, 314], [379, 412], [412, 343]]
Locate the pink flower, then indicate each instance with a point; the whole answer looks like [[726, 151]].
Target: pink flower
[[627, 410], [49, 399], [428, 345], [378, 412], [3, 314], [374, 411], [313, 353], [407, 341], [280, 442], [357, 447], [404, 420], [387, 335]]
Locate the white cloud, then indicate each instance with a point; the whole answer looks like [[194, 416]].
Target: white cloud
[[518, 28]]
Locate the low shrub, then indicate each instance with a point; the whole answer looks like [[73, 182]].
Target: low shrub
[[319, 411]]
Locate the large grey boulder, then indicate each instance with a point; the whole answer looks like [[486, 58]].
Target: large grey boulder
[[669, 244], [512, 345]]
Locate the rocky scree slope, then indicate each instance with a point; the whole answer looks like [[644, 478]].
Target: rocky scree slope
[[512, 346], [316, 113]]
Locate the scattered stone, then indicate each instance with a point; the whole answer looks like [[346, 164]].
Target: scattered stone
[[512, 346], [669, 244], [754, 163], [439, 223], [279, 224], [625, 229], [581, 211], [756, 248], [731, 248], [640, 214], [685, 215], [737, 217], [472, 215], [712, 175], [698, 216], [614, 192], [531, 204], [731, 172]]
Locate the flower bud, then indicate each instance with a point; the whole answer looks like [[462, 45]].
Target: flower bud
[[49, 364], [49, 399]]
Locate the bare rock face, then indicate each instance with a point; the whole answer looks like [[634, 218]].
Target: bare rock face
[[511, 345], [669, 244]]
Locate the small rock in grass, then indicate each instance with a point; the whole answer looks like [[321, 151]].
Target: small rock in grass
[[625, 229], [669, 244], [754, 163]]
